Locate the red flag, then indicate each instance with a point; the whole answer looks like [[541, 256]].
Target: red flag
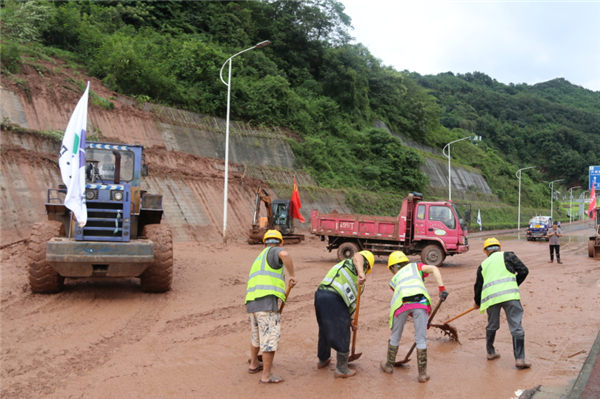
[[592, 207], [297, 203]]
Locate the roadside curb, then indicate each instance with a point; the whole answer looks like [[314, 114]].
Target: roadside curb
[[586, 371]]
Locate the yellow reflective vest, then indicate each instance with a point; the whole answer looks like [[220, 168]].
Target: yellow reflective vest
[[407, 282], [499, 285], [264, 280], [345, 283]]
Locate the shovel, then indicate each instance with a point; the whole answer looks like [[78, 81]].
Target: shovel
[[414, 345], [287, 294], [355, 356], [448, 329]]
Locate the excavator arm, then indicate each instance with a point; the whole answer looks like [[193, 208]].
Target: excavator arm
[[262, 196]]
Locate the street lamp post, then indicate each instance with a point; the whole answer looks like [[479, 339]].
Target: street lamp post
[[518, 174], [571, 204], [551, 185], [472, 138], [228, 84]]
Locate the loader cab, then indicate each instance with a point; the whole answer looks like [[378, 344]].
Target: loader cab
[[282, 216]]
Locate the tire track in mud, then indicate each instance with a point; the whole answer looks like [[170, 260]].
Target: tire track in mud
[[47, 372]]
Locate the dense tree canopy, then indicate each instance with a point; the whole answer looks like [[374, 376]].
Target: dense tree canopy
[[314, 80]]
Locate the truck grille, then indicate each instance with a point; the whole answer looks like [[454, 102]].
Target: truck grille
[[107, 221]]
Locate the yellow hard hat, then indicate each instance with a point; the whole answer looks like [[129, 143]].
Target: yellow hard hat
[[370, 259], [273, 234], [490, 242], [397, 257]]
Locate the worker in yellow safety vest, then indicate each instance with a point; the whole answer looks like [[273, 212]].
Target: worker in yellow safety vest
[[410, 298], [335, 306], [266, 285], [497, 287]]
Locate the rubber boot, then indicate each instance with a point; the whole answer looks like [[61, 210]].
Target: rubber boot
[[323, 364], [489, 345], [519, 349], [388, 365], [422, 363], [341, 368]]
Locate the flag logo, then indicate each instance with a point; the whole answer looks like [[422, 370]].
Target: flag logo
[[71, 160]]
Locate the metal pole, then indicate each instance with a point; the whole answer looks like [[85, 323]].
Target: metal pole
[[449, 176], [228, 83], [518, 174], [226, 155], [571, 203], [449, 167], [519, 217], [552, 198]]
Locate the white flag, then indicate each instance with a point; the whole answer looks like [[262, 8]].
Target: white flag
[[72, 160], [479, 218]]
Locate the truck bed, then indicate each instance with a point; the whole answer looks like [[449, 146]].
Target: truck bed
[[348, 225]]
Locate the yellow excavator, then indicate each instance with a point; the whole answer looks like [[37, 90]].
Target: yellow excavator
[[279, 217]]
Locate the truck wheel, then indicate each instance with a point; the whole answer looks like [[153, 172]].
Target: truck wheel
[[433, 255], [158, 277], [43, 279], [591, 248], [346, 250]]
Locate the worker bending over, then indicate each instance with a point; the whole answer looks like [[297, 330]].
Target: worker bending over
[[266, 284], [497, 287], [410, 298], [335, 304]]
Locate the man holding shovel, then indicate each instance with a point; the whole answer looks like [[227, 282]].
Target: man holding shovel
[[266, 285], [335, 306], [496, 288], [410, 297]]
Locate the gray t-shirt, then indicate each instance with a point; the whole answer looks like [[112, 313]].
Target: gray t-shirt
[[267, 303], [554, 240]]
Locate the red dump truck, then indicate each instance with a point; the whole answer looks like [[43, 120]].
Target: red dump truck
[[432, 229]]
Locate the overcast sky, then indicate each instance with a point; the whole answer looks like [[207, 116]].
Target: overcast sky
[[511, 41]]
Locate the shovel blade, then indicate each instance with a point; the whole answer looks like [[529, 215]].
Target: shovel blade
[[401, 362], [448, 330], [354, 356]]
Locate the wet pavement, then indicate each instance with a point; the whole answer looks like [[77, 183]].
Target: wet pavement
[[587, 384]]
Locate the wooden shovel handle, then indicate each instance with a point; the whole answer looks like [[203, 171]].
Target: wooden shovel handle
[[356, 319], [287, 294], [462, 314]]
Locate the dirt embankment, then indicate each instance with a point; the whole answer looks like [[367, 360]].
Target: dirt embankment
[[106, 338]]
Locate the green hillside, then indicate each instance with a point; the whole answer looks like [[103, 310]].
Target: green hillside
[[321, 88]]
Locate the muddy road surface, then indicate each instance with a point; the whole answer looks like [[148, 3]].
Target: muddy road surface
[[108, 339]]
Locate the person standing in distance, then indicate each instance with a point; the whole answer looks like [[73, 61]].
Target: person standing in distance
[[554, 242], [497, 287], [266, 284], [410, 298], [335, 306]]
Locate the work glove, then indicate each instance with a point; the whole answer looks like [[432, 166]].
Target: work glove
[[443, 293]]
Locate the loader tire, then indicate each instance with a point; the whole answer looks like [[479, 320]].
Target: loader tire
[[43, 279], [158, 277], [346, 251], [433, 255], [591, 248]]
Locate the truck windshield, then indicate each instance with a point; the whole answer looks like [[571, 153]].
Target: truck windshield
[[461, 219], [105, 162], [442, 214]]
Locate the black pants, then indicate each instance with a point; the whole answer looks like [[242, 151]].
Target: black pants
[[334, 324], [557, 249]]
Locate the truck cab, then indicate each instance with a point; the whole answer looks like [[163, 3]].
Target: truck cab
[[442, 223]]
